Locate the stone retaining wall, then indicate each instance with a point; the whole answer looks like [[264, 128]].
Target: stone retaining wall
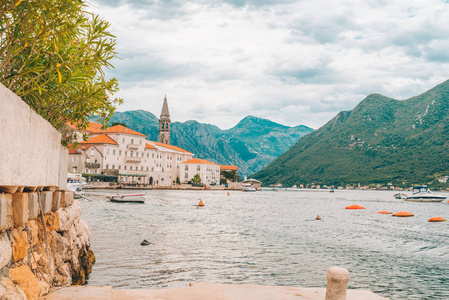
[[31, 153], [28, 223]]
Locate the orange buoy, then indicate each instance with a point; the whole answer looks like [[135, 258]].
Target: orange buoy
[[197, 207], [229, 194], [384, 212], [437, 219], [354, 207], [201, 203], [318, 217], [403, 214]]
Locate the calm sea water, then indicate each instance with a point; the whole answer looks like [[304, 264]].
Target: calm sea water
[[270, 238]]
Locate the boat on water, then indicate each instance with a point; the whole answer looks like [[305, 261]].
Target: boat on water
[[75, 183], [400, 196], [422, 193], [247, 187], [135, 198]]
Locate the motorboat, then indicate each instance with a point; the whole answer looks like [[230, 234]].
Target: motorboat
[[400, 196], [247, 187], [422, 193], [75, 183], [136, 198]]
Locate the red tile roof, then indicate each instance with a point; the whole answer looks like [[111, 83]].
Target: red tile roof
[[121, 129], [198, 161], [224, 167], [171, 147], [148, 146], [100, 139], [93, 127], [79, 146]]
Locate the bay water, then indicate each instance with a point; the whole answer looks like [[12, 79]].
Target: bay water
[[270, 238]]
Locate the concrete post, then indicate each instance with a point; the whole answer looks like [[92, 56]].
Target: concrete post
[[337, 281]]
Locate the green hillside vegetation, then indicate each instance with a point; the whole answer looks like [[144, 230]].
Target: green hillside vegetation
[[251, 144], [382, 140]]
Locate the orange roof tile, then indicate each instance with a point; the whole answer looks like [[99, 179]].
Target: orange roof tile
[[148, 146], [198, 161], [122, 129], [100, 139], [171, 147], [79, 146], [224, 167], [93, 126]]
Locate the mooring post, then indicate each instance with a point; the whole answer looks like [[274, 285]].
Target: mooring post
[[337, 281]]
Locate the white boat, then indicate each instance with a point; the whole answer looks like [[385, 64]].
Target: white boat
[[422, 193], [75, 183], [400, 196], [136, 198], [247, 187]]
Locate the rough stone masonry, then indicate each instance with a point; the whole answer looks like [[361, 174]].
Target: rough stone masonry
[[43, 243]]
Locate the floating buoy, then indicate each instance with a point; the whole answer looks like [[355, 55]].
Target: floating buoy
[[354, 207], [384, 212], [229, 194], [197, 207], [403, 214], [437, 219], [318, 217], [201, 203]]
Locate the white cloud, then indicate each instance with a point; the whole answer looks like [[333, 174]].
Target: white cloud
[[294, 62]]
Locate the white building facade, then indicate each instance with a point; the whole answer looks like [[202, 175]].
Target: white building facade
[[208, 171]]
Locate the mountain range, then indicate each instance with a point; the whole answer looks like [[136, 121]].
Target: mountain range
[[251, 144], [382, 140]]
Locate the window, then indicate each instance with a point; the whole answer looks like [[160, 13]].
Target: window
[[123, 140], [107, 151], [120, 152], [186, 176], [95, 171], [87, 159], [73, 159], [142, 154], [113, 167], [95, 161], [141, 168], [131, 154], [113, 152], [198, 168], [131, 167], [125, 167], [107, 166], [86, 171], [119, 167], [152, 155], [126, 153], [91, 151], [187, 167], [148, 155], [152, 169], [140, 142], [147, 168]]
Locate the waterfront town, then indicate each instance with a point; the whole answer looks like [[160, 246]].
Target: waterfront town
[[121, 155]]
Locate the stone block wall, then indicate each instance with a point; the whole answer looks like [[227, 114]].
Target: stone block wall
[[31, 153], [28, 223]]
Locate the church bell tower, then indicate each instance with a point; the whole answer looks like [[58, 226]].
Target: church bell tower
[[164, 124]]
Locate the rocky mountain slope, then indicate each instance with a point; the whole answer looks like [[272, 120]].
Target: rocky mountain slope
[[382, 140]]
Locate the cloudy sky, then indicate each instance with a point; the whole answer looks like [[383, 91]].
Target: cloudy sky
[[293, 62]]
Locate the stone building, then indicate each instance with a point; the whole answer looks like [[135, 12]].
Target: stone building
[[126, 155], [208, 171]]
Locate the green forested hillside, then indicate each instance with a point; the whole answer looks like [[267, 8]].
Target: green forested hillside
[[381, 140], [251, 144]]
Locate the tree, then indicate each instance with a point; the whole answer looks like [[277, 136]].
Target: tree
[[177, 180], [196, 179], [52, 55]]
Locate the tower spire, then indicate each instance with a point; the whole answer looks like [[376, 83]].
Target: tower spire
[[164, 124]]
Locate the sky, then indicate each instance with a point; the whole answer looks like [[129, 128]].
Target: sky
[[293, 62]]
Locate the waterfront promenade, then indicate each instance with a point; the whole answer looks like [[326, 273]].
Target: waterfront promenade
[[204, 291]]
